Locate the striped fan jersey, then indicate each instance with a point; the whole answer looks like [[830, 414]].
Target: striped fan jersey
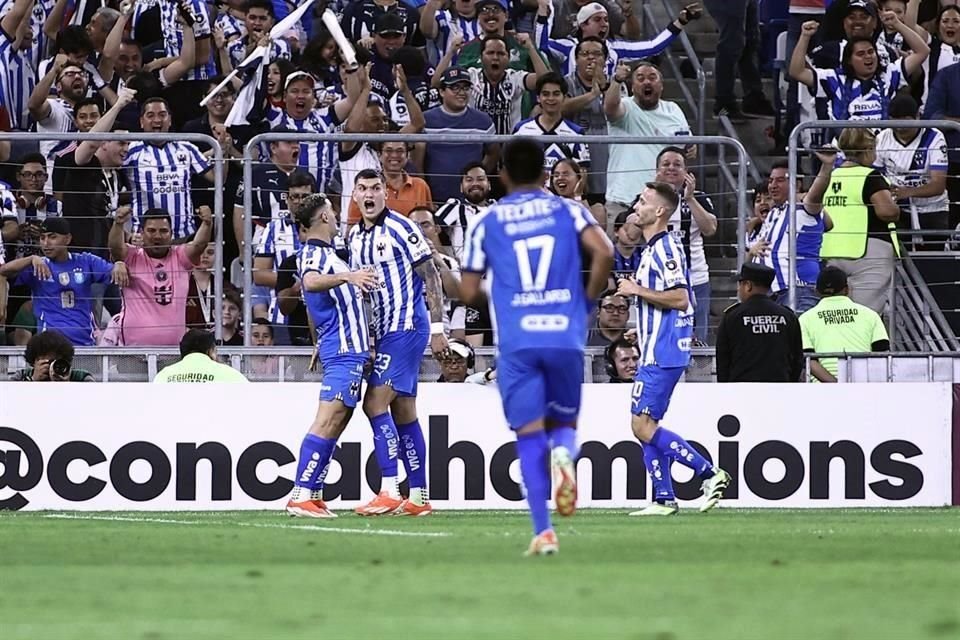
[[173, 34], [237, 50], [318, 158], [395, 247], [160, 176], [554, 152], [38, 15], [449, 24], [232, 26], [338, 312], [810, 230], [502, 100], [279, 240], [18, 77], [455, 214], [852, 99], [664, 334]]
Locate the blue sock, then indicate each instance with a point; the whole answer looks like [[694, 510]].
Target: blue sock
[[565, 437], [533, 450], [386, 443], [658, 466], [676, 448], [414, 453], [315, 455]]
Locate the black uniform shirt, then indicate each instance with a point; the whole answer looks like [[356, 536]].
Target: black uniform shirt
[[759, 341]]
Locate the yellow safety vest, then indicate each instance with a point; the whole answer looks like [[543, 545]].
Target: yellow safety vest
[[844, 202]]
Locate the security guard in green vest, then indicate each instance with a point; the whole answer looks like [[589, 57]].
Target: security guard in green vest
[[837, 324], [863, 240], [758, 339], [198, 363]]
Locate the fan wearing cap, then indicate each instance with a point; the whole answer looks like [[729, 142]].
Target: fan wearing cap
[[844, 22], [839, 325], [758, 340], [388, 38], [914, 160], [61, 282], [623, 19], [300, 113], [360, 20], [593, 20], [493, 16]]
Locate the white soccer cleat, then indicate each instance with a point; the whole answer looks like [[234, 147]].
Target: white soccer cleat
[[657, 509], [564, 474], [713, 489]]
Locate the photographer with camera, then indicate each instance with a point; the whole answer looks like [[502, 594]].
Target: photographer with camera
[[50, 356]]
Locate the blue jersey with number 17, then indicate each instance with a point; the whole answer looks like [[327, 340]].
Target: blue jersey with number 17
[[528, 244]]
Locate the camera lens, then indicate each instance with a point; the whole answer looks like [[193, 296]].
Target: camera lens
[[60, 368]]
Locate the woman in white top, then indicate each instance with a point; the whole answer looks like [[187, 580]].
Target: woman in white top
[[944, 43]]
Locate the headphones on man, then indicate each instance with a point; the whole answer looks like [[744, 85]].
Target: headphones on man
[[609, 353], [471, 356]]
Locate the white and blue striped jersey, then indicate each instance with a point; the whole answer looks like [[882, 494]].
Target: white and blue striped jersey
[[394, 247], [449, 24], [38, 15], [160, 176], [528, 245], [338, 312], [173, 34], [846, 95], [664, 335], [563, 50], [232, 26], [810, 230], [237, 50], [554, 152], [278, 241], [318, 158], [18, 77]]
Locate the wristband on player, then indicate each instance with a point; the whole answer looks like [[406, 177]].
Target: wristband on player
[[436, 328]]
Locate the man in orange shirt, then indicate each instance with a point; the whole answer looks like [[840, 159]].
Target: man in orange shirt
[[404, 192]]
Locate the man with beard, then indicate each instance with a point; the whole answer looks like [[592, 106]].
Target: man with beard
[[643, 114], [161, 172], [155, 299], [456, 213], [493, 20]]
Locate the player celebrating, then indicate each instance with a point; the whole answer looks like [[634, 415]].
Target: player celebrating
[[333, 295], [407, 277], [529, 242], [665, 330]]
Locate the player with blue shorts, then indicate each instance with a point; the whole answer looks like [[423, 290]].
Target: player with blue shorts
[[530, 246], [664, 332], [334, 298], [407, 309]]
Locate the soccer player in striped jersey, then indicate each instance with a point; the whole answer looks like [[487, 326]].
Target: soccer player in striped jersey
[[665, 331], [161, 173], [17, 73], [301, 114], [333, 294], [530, 243], [407, 307]]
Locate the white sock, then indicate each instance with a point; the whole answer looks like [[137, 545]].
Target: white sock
[[300, 494], [316, 494], [419, 496], [391, 484]]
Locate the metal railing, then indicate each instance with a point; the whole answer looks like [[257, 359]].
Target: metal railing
[[218, 185], [247, 249]]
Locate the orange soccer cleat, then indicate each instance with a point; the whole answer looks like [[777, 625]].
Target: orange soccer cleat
[[545, 544], [309, 509], [408, 508], [380, 505]]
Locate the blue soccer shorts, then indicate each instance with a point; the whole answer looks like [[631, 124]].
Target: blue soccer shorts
[[540, 383], [398, 359], [342, 378], [652, 388]]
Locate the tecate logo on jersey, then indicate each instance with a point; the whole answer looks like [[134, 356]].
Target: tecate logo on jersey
[[545, 323], [804, 468]]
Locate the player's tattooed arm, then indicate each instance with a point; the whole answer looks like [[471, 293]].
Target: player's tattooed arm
[[433, 288]]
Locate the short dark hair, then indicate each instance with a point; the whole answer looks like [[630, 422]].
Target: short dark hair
[[130, 42], [86, 102], [523, 160], [493, 38], [74, 39], [369, 174], [606, 50], [620, 343], [46, 343], [32, 158], [678, 150], [260, 4], [307, 210], [262, 322], [152, 99], [666, 193], [215, 82], [155, 214], [760, 189], [412, 60], [553, 78], [197, 341], [146, 85], [470, 166], [301, 178], [780, 164]]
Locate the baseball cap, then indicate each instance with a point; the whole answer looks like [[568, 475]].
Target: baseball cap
[[831, 281], [390, 23], [588, 11], [55, 225], [454, 75], [756, 273], [863, 5], [298, 74], [461, 349], [480, 4]]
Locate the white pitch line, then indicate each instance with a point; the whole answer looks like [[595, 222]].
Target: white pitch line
[[257, 525]]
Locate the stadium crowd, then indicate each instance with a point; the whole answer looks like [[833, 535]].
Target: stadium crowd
[[111, 242]]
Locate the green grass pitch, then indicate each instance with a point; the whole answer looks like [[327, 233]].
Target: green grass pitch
[[734, 574]]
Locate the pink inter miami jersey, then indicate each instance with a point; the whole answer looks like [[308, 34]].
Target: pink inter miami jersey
[[155, 303]]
